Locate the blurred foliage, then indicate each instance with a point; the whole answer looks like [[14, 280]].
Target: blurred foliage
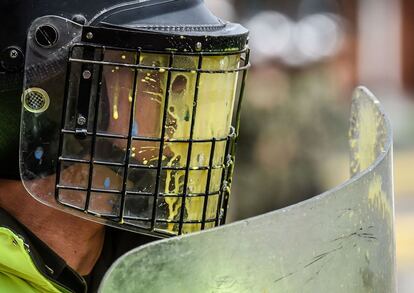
[[291, 120]]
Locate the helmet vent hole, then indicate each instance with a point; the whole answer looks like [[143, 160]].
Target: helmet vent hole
[[46, 36], [36, 100]]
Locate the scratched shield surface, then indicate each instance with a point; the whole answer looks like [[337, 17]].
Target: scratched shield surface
[[340, 241]]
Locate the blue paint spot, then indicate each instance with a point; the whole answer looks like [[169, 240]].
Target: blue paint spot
[[39, 152], [135, 129], [107, 183]]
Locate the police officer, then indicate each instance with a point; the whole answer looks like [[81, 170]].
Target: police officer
[[109, 132]]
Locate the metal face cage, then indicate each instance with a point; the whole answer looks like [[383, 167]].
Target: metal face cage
[[137, 137]]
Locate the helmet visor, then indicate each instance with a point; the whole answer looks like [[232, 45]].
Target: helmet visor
[[139, 139]]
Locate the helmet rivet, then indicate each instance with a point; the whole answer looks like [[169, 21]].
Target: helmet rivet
[[86, 74], [79, 18], [89, 36], [11, 59], [46, 36], [199, 46], [13, 54], [81, 120]]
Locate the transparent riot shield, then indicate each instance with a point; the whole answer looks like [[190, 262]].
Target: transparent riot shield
[[340, 241]]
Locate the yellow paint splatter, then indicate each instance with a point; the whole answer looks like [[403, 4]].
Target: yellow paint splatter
[[378, 198], [216, 95], [364, 145], [115, 112], [213, 120]]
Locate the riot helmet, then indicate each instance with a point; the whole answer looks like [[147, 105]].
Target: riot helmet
[[129, 112]]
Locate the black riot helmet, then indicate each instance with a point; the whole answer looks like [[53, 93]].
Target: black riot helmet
[[16, 17], [130, 111]]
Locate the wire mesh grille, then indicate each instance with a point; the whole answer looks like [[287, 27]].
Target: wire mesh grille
[[154, 150], [35, 101]]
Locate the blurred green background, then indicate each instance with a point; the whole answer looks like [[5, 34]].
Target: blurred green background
[[308, 56]]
